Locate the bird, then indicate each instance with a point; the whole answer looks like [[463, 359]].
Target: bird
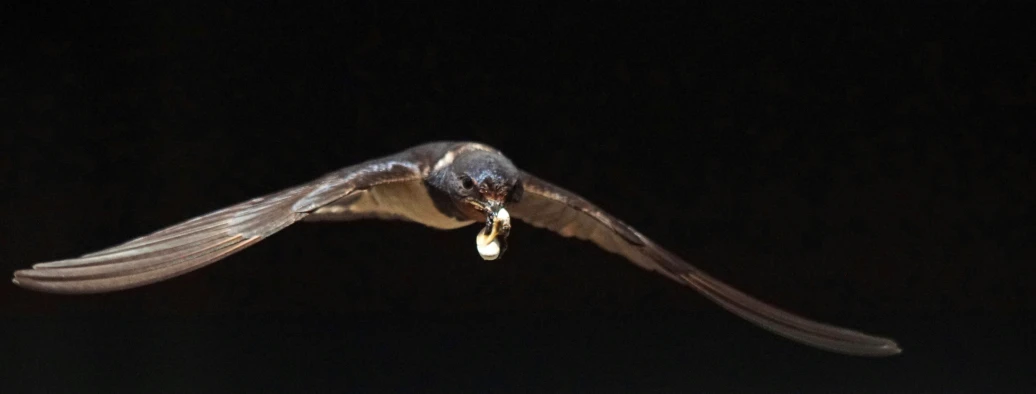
[[444, 185]]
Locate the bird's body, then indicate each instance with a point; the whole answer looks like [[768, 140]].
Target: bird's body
[[444, 185]]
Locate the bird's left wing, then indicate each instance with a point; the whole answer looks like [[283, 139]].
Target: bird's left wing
[[195, 243], [548, 206]]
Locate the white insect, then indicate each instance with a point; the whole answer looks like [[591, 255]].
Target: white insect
[[488, 244]]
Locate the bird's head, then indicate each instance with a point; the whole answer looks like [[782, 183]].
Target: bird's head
[[480, 184]]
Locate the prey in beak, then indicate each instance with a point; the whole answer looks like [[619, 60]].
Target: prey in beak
[[492, 239]]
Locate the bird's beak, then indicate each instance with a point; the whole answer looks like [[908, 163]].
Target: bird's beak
[[492, 239]]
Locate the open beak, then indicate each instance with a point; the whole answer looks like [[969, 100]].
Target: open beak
[[492, 239]]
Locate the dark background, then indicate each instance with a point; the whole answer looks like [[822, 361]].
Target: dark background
[[870, 167]]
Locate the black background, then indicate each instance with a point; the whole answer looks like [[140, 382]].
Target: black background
[[870, 167]]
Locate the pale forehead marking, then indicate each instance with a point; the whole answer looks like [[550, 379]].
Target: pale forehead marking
[[473, 146], [448, 158]]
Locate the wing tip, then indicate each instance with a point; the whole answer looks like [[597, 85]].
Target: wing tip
[[890, 348], [18, 274], [887, 348], [21, 281]]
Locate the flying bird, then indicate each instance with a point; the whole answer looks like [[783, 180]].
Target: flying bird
[[444, 185]]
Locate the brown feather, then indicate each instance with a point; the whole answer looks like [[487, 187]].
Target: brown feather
[[203, 240], [551, 207]]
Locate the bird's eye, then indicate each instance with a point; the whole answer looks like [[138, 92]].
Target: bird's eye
[[467, 183]]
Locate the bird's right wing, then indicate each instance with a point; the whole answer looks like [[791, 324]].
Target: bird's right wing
[[203, 240], [561, 211]]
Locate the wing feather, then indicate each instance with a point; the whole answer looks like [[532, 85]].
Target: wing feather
[[548, 206], [203, 240]]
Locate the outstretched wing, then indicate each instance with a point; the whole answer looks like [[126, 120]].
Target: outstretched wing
[[548, 206], [203, 240]]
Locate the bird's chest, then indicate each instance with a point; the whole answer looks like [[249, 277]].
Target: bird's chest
[[409, 200]]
